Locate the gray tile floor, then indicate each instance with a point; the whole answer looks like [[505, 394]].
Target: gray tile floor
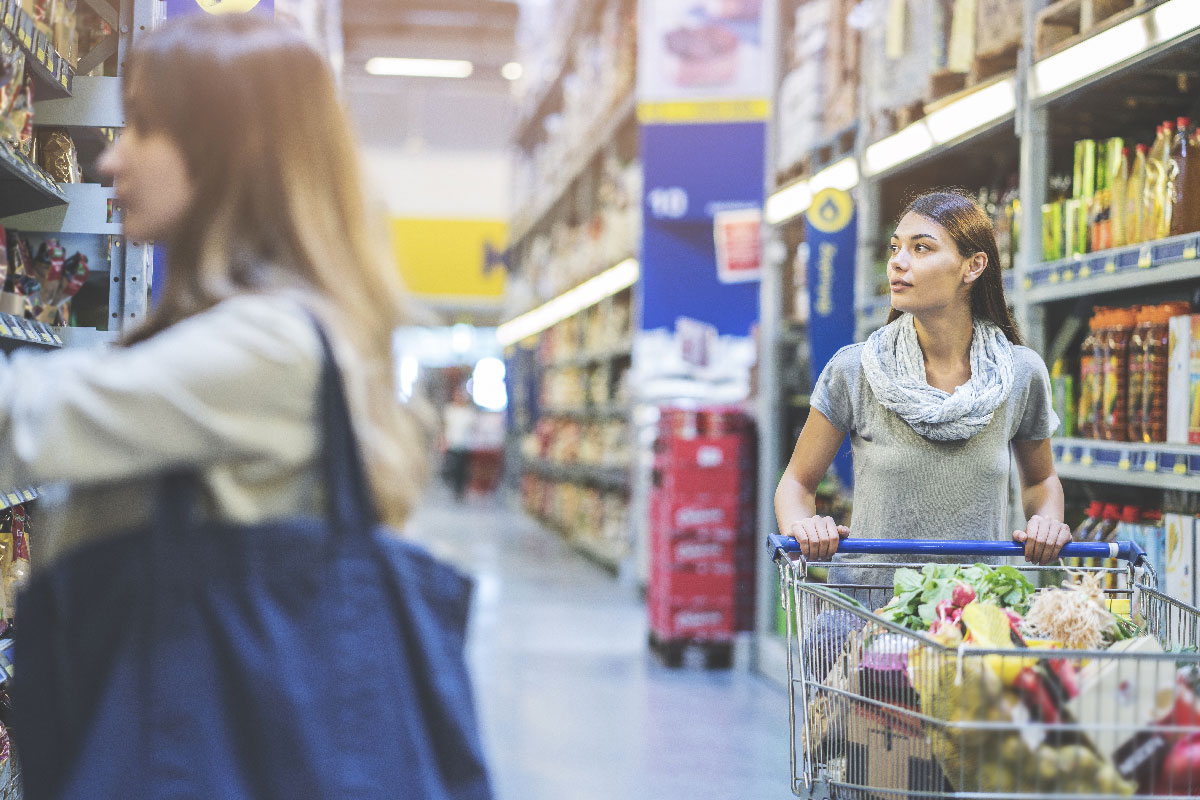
[[572, 704]]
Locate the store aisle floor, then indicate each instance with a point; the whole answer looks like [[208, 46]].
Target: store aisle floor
[[573, 705]]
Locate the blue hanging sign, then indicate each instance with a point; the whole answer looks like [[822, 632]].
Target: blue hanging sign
[[830, 232]]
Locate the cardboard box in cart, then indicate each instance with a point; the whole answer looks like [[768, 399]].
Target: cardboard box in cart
[[1178, 578], [888, 750]]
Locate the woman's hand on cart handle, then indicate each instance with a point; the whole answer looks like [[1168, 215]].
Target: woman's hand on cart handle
[[1043, 539], [818, 537]]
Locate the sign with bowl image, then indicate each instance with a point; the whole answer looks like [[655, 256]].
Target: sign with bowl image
[[703, 50]]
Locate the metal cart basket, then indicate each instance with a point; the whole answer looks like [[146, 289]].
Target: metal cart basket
[[880, 711]]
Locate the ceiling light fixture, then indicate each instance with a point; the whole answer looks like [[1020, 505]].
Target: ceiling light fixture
[[420, 67], [570, 303], [512, 71]]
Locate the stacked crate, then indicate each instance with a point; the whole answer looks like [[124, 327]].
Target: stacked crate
[[702, 550]]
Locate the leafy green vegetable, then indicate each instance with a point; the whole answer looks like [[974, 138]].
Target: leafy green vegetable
[[918, 593]]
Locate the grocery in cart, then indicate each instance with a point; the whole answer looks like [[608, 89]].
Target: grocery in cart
[[986, 681]]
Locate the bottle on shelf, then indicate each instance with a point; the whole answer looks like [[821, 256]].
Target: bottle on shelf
[[1091, 353], [1118, 183], [1151, 196], [1110, 519], [1112, 424], [1062, 391], [1184, 181], [1082, 532], [1135, 203], [1162, 198]]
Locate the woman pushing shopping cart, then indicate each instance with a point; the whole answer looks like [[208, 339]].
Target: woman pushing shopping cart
[[1001, 689], [914, 672]]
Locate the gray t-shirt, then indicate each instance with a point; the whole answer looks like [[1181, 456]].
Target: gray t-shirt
[[910, 487]]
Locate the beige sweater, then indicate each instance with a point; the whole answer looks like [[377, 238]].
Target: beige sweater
[[231, 393]]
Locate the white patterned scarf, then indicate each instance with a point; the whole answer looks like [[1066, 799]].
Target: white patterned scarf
[[895, 367]]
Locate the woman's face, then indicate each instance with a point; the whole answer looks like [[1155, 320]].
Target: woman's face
[[152, 181], [925, 270]]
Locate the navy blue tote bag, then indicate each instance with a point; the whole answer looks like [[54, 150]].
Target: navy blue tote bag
[[313, 658]]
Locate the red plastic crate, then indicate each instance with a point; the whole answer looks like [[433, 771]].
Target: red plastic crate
[[712, 621], [703, 511], [688, 586], [716, 452], [702, 549]]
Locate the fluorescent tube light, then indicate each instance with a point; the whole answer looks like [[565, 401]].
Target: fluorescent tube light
[[794, 200], [420, 67], [839, 175], [972, 111], [569, 303], [512, 71], [1108, 48], [898, 148], [789, 202]]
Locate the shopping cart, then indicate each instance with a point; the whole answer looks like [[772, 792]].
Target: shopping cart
[[879, 711]]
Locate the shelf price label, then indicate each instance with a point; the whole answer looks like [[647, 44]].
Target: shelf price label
[[1181, 466], [28, 495], [1068, 457], [1086, 459], [1027, 283], [1085, 271], [8, 19], [1068, 275], [1145, 256], [1054, 278], [1110, 266], [1151, 464], [1189, 251], [1123, 464], [13, 498]]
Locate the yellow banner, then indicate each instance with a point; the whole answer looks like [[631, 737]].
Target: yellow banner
[[685, 111], [447, 257]]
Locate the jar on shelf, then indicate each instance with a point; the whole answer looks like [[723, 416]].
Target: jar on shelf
[[1115, 399], [1091, 356]]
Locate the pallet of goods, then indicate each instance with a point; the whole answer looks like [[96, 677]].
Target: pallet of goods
[[702, 544]]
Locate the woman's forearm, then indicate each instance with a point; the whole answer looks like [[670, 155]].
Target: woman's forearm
[[793, 501], [1044, 499]]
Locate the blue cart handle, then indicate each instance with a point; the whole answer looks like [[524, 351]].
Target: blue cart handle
[[1127, 551]]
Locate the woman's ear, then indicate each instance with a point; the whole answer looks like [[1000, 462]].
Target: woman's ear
[[975, 265]]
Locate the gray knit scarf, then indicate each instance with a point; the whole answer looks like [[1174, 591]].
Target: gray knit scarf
[[895, 367]]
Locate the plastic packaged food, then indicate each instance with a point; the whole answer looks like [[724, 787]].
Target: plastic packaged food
[[1138, 354], [1113, 425], [1154, 385], [57, 155], [1091, 355]]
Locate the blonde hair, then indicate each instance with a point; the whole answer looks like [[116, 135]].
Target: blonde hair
[[278, 205]]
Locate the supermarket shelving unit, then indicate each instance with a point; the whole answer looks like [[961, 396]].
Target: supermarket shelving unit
[[1033, 114], [32, 202], [558, 489]]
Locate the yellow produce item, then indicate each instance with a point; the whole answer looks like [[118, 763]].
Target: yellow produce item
[[988, 625]]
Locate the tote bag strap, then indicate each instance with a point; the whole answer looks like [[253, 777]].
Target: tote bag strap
[[350, 505], [350, 508]]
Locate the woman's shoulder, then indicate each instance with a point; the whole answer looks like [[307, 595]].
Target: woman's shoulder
[[1027, 364], [275, 327], [848, 358]]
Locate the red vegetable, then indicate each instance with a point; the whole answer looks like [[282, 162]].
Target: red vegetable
[[963, 594], [1186, 711], [1037, 698], [1181, 769]]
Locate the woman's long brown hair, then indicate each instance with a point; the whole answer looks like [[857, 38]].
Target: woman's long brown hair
[[972, 233], [278, 205]]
